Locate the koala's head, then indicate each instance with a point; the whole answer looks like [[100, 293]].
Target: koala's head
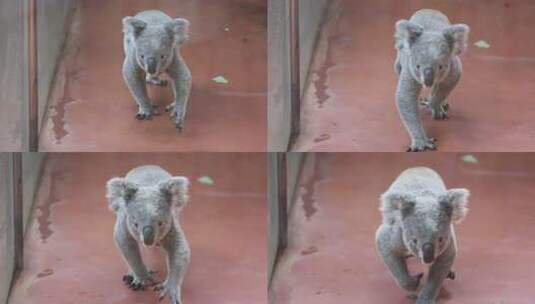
[[426, 220], [430, 51], [149, 209], [154, 44]]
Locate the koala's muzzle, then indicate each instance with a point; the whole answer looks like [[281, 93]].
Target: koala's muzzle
[[152, 64], [429, 77], [428, 253], [148, 235]]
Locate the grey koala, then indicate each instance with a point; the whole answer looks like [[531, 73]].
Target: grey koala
[[428, 49], [145, 201], [152, 42], [418, 216]]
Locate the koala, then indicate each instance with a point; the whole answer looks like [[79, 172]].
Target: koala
[[152, 41], [428, 49], [145, 201], [418, 216]]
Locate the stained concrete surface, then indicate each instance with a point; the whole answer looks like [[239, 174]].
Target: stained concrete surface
[[70, 256], [92, 110], [331, 257], [350, 105]]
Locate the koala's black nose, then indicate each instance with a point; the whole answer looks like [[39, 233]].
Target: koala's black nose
[[151, 65], [148, 235], [429, 77], [428, 252]]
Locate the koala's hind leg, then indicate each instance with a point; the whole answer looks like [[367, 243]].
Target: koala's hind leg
[[178, 258], [135, 80], [407, 94], [181, 81], [138, 276], [439, 271], [396, 263]]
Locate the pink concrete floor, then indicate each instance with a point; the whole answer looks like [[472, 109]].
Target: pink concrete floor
[[332, 258], [70, 256], [91, 110], [350, 103]]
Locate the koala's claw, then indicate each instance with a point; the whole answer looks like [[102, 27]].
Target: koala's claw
[[144, 115], [423, 145], [179, 123], [136, 284], [167, 290], [451, 275], [441, 113], [157, 81]]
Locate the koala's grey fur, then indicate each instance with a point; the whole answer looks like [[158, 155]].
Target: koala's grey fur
[[152, 42], [418, 216], [428, 49], [144, 202]]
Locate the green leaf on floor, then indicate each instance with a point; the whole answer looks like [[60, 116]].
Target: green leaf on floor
[[482, 44], [205, 180], [220, 79], [470, 159]]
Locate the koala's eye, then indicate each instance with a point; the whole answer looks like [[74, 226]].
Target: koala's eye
[[414, 241], [440, 67], [418, 67], [136, 225], [160, 224], [440, 239], [142, 56], [163, 56]]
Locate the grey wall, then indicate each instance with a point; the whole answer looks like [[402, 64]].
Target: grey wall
[[6, 228], [32, 164], [13, 79], [279, 108], [294, 163], [311, 13], [273, 206], [52, 26]]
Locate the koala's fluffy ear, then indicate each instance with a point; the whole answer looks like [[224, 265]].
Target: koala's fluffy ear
[[455, 202], [407, 32], [179, 28], [391, 203], [133, 25], [177, 190], [457, 36], [117, 190]]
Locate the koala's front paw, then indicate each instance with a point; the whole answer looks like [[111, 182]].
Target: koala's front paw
[[170, 107], [178, 120], [144, 114], [419, 145], [440, 112], [168, 289], [135, 283]]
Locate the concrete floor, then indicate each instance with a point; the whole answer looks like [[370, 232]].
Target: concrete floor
[[350, 106], [332, 258], [92, 110], [70, 256]]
